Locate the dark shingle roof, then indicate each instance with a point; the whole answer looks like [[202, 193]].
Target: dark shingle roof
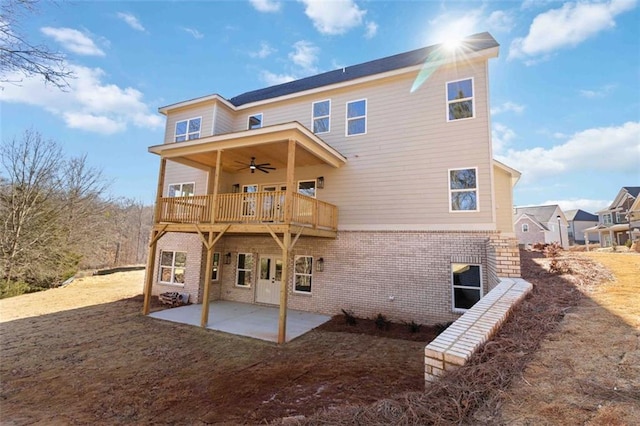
[[474, 43], [541, 213], [633, 190], [580, 215]]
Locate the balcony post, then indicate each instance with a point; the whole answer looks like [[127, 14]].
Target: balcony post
[[291, 166], [158, 210], [286, 269], [216, 183]]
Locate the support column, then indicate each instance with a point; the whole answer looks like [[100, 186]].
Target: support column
[[216, 185], [159, 191], [282, 324], [148, 282], [291, 168], [206, 283]]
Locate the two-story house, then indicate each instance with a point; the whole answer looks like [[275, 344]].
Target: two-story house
[[370, 188], [615, 223], [540, 225], [577, 221]]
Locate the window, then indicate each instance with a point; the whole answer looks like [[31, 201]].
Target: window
[[255, 121], [307, 187], [525, 227], [303, 272], [182, 189], [244, 275], [467, 285], [463, 190], [188, 129], [357, 117], [460, 99], [321, 116], [215, 267], [172, 267], [606, 219]]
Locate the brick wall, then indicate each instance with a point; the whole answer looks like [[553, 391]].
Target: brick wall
[[192, 245]]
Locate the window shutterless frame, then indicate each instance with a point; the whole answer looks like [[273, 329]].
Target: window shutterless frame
[[463, 190], [255, 121], [466, 286], [187, 129], [183, 189], [356, 118], [302, 274], [321, 116], [460, 99]]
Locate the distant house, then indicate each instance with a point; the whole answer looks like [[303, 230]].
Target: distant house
[[617, 223], [578, 220], [540, 224]]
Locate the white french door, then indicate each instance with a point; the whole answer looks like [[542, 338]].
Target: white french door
[[272, 205], [269, 280]]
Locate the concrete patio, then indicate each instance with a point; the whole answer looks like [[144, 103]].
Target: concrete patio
[[244, 319]]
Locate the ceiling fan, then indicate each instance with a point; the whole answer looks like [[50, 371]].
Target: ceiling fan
[[263, 167]]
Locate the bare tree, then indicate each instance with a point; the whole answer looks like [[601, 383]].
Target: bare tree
[[18, 54], [27, 207]]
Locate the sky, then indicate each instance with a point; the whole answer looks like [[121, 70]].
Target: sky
[[564, 91]]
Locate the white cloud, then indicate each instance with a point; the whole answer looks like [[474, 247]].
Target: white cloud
[[334, 17], [265, 50], [195, 33], [131, 20], [583, 151], [507, 106], [73, 40], [500, 20], [272, 79], [585, 204], [266, 5], [89, 104], [305, 55], [567, 26], [598, 93], [372, 30], [501, 137]]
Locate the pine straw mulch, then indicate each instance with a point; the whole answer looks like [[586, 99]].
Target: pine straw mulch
[[474, 393]]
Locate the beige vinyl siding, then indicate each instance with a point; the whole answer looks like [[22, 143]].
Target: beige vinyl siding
[[397, 173], [202, 110], [178, 173], [504, 200], [224, 119]]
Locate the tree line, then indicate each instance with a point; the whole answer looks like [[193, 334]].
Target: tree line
[[56, 217]]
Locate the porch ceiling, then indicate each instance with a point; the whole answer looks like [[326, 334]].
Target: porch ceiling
[[267, 145]]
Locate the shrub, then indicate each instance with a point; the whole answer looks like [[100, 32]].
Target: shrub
[[628, 243], [382, 323], [349, 317], [413, 326], [15, 288]]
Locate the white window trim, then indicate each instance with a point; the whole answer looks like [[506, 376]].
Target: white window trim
[[175, 130], [314, 118], [255, 115], [181, 185], [477, 190], [453, 294], [472, 98], [295, 274], [213, 265], [243, 269], [347, 118], [315, 185], [173, 267], [525, 227]]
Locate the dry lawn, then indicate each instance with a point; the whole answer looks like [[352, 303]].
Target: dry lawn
[[84, 354]]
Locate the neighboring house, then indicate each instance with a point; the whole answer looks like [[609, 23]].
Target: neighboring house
[[617, 222], [578, 220], [540, 224], [370, 188]]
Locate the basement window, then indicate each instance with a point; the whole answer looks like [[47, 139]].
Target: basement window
[[244, 270], [467, 285], [172, 267], [303, 274]]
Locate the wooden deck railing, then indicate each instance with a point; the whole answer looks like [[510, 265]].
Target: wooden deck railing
[[256, 207]]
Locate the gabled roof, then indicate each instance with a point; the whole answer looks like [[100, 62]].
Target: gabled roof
[[532, 219], [625, 191], [544, 214], [580, 215], [473, 43]]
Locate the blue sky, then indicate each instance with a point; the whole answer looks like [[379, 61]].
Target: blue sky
[[565, 90]]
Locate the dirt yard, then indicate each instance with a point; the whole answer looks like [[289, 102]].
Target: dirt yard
[[84, 354]]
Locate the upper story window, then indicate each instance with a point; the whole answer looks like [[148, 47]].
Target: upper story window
[[255, 121], [606, 219], [460, 99], [463, 189], [321, 116], [188, 129], [525, 227], [357, 117], [182, 189]]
